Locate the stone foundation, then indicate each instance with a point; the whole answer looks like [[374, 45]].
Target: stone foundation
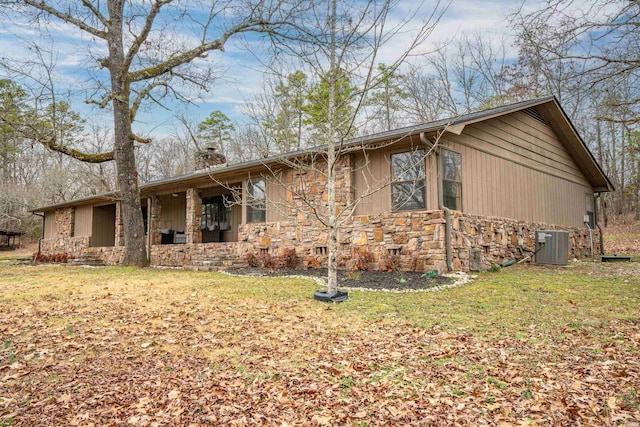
[[413, 240], [208, 256], [77, 247], [499, 239]]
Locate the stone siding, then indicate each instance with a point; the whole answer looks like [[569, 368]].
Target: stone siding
[[78, 247], [194, 216], [500, 239], [412, 240], [64, 222], [206, 256]]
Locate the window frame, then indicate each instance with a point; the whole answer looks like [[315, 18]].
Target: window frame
[[252, 201], [455, 182], [413, 182]]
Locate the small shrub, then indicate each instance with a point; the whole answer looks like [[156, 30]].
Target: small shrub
[[389, 262], [353, 275], [311, 262], [495, 268], [289, 258], [61, 257], [363, 258], [266, 260], [252, 259]]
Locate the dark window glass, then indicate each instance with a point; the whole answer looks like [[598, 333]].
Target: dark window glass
[[451, 179], [216, 214], [408, 187], [590, 210], [256, 200]]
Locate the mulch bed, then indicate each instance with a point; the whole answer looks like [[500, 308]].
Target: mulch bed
[[367, 279]]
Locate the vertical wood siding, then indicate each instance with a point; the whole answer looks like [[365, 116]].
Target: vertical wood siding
[[512, 166], [83, 221], [103, 225], [173, 214], [49, 225], [516, 167], [276, 200]]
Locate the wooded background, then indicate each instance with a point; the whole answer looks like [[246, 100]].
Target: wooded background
[[590, 60]]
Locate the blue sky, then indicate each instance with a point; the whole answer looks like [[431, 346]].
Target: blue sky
[[242, 78]]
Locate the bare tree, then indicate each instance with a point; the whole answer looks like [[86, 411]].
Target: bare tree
[[588, 56], [141, 65], [348, 38], [603, 36]]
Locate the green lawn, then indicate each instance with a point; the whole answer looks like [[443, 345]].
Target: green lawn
[[524, 346]]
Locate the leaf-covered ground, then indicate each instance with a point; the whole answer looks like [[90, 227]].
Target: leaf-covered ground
[[120, 346], [622, 236]]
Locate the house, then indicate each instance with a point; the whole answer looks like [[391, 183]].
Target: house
[[458, 194]]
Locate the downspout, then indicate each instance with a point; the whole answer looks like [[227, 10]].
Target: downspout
[[596, 197], [447, 212], [41, 237], [591, 238]]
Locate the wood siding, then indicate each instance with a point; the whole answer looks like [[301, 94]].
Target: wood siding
[[516, 167], [513, 166], [83, 221], [276, 201], [103, 225], [49, 225], [173, 214]]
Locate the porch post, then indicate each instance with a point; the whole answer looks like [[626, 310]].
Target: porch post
[[194, 216], [119, 240], [155, 207]]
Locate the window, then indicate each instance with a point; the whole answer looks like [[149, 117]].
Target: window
[[590, 211], [256, 200], [408, 188], [451, 180], [216, 218]]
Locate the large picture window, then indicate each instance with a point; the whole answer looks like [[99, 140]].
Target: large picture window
[[216, 218], [451, 180], [408, 174], [256, 200]]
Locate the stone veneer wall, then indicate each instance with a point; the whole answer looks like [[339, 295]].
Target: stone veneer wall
[[78, 247], [64, 222], [414, 240], [502, 239], [198, 255]]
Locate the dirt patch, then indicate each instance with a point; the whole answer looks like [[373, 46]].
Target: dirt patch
[[367, 279]]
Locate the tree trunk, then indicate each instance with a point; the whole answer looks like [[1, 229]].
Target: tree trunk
[[127, 175], [637, 216], [332, 223]]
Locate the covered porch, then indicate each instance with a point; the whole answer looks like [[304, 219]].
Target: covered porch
[[196, 215]]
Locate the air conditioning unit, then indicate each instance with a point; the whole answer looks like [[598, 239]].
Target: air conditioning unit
[[552, 247]]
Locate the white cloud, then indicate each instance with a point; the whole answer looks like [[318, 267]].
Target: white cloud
[[244, 75]]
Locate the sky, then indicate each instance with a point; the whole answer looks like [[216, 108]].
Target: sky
[[73, 53]]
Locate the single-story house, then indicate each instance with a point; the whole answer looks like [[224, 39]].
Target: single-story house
[[457, 194]]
